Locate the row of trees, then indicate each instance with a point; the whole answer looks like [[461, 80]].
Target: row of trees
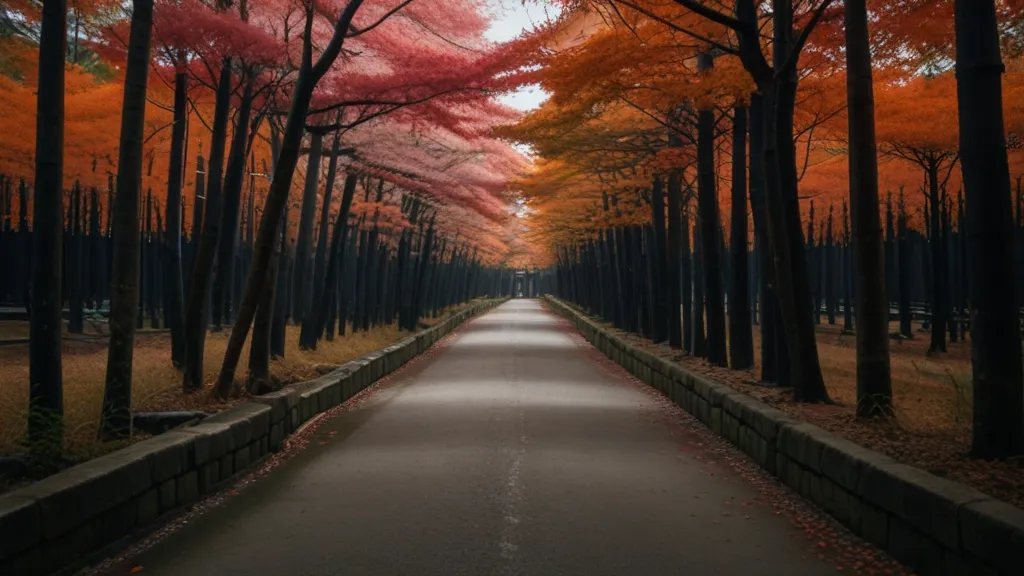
[[662, 102], [394, 97]]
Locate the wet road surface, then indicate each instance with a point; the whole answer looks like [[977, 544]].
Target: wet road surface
[[510, 450]]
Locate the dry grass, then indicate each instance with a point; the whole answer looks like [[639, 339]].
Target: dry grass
[[931, 396], [156, 383]]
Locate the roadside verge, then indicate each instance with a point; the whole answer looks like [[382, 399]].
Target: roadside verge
[[58, 523], [935, 526]]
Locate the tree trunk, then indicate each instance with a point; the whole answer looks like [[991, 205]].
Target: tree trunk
[[234, 181], [759, 212], [173, 294], [874, 384], [661, 284], [707, 205], [303, 245], [791, 272], [277, 196], [675, 232], [995, 331], [686, 276], [46, 387], [741, 337], [116, 420], [938, 260], [206, 252], [322, 290], [903, 248]]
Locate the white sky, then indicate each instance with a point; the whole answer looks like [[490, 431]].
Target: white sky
[[511, 18]]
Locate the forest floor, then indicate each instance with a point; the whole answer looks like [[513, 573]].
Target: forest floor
[[932, 398], [156, 382]]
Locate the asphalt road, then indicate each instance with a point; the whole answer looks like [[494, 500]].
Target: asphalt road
[[512, 450]]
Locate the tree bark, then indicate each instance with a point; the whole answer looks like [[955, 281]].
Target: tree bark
[[173, 294], [277, 196], [741, 337], [206, 253], [675, 232], [874, 383], [234, 181], [995, 331], [767, 297], [707, 205], [116, 419], [303, 244], [322, 290], [659, 273], [46, 386]]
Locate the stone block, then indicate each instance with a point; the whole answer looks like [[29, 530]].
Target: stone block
[[913, 548], [28, 562], [209, 476], [874, 525], [212, 440], [168, 455], [254, 452], [798, 441], [954, 564], [842, 460], [148, 507], [241, 459], [293, 420], [276, 437], [928, 503], [280, 402], [716, 420], [20, 525], [77, 495], [168, 495], [247, 421], [837, 500], [815, 492], [227, 466], [187, 487], [994, 531]]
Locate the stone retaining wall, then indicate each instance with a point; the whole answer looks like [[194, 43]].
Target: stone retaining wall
[[58, 523], [936, 526]]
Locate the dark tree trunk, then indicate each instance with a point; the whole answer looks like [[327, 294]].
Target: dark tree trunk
[[829, 269], [939, 261], [303, 245], [741, 337], [322, 291], [707, 205], [116, 419], [759, 212], [686, 273], [76, 320], [874, 384], [699, 343], [173, 295], [659, 274], [234, 181], [46, 387], [675, 232], [791, 273], [259, 350], [903, 255], [279, 325], [995, 330], [196, 309], [321, 255]]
